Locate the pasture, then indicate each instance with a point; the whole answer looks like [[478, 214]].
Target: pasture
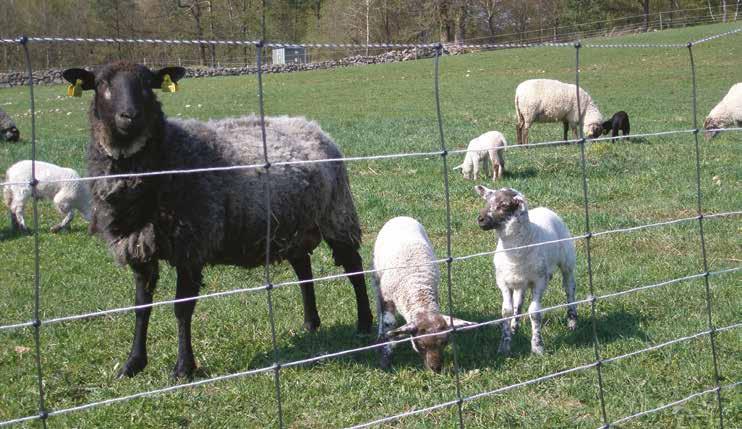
[[386, 109]]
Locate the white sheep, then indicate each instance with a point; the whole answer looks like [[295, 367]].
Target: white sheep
[[407, 284], [548, 100], [506, 211], [67, 196], [727, 113], [486, 149]]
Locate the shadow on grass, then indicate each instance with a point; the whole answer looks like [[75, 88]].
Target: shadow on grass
[[477, 348], [521, 173]]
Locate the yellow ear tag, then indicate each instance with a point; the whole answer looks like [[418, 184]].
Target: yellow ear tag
[[75, 90], [168, 85]]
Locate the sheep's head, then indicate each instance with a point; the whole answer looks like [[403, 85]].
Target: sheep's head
[[11, 134], [124, 101], [593, 129], [710, 125], [500, 207], [430, 348], [607, 127]]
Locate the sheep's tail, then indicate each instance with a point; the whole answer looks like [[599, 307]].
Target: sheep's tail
[[342, 222], [459, 167]]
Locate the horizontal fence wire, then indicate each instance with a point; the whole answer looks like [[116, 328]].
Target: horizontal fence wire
[[351, 158], [321, 279], [381, 344], [277, 44], [590, 299]]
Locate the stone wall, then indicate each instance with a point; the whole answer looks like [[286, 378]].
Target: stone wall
[[54, 76]]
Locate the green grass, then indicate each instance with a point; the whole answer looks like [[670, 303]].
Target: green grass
[[390, 109]]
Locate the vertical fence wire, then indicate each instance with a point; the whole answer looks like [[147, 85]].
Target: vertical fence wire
[[588, 236], [699, 207], [267, 191], [449, 257], [37, 271]]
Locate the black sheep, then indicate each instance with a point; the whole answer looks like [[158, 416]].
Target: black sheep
[[619, 122], [193, 220], [8, 130]]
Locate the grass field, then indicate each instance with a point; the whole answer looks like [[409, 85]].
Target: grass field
[[390, 109]]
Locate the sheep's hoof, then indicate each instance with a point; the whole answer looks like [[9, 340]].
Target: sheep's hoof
[[132, 367], [537, 348], [55, 229], [386, 360], [311, 325], [572, 324], [184, 368], [514, 325]]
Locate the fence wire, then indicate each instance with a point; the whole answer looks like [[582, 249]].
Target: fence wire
[[591, 299]]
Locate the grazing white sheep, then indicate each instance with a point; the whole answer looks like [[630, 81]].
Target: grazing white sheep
[[407, 283], [486, 149], [67, 196], [548, 100], [506, 211], [727, 113]]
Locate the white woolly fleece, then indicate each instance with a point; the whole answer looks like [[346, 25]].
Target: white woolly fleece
[[403, 242], [729, 110], [549, 100]]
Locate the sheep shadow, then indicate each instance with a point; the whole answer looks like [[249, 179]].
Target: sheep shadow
[[521, 173], [609, 328]]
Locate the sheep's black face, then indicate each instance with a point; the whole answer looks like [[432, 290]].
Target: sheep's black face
[[11, 134], [124, 101], [607, 127], [431, 348], [500, 206]]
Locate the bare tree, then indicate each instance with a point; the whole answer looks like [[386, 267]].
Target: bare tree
[[645, 8], [195, 10]]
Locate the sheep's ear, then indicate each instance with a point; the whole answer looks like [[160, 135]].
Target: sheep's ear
[[483, 191], [458, 322], [86, 78], [403, 331], [521, 200], [706, 123], [167, 78]]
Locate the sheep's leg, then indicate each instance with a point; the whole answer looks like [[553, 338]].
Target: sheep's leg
[[145, 277], [303, 268], [188, 285], [517, 307], [614, 134], [568, 283], [64, 208], [566, 129], [524, 135], [519, 133], [387, 322], [347, 255], [534, 311], [16, 211], [507, 311]]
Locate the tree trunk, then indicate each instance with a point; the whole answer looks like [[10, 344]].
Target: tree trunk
[[645, 6], [723, 10]]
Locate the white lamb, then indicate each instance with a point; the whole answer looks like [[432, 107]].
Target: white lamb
[[67, 196], [407, 283], [727, 113], [506, 211], [548, 100], [486, 149]]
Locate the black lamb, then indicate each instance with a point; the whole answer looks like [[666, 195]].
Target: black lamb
[[8, 130], [192, 220], [619, 122]]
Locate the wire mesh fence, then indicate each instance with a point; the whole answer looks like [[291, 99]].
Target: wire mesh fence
[[701, 217]]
